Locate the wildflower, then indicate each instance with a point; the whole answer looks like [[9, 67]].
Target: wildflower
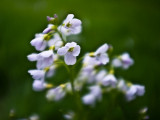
[[56, 93], [109, 80], [100, 55], [133, 91], [38, 85], [70, 51], [70, 25], [49, 28], [39, 42], [56, 41], [33, 57], [45, 59], [124, 61], [37, 74], [70, 115], [95, 94]]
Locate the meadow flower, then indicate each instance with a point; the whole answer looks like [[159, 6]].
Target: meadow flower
[[37, 74], [100, 55], [70, 25], [133, 91], [109, 80], [49, 28], [124, 61], [38, 85], [45, 59], [39, 42], [56, 41], [94, 94], [56, 93], [70, 52]]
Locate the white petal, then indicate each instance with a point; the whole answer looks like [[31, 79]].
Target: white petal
[[109, 80], [72, 44], [68, 19], [62, 50], [89, 99], [37, 74], [104, 59], [39, 43], [38, 85], [46, 53], [102, 49], [76, 50], [32, 57], [75, 22], [69, 59]]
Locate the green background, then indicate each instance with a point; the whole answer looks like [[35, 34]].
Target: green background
[[132, 26]]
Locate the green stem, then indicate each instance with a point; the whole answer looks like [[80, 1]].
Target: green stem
[[61, 36]]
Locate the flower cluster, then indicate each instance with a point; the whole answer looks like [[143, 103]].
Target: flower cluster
[[97, 72]]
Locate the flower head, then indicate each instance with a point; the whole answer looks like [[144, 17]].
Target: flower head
[[124, 61], [39, 42], [70, 52], [100, 55], [70, 25]]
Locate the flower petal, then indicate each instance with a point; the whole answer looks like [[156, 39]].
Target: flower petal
[[76, 50], [102, 49], [104, 59], [62, 50], [32, 57], [72, 44], [69, 59], [38, 85], [37, 74]]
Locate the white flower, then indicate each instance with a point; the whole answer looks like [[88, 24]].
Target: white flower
[[95, 94], [55, 41], [55, 94], [70, 25], [109, 80], [135, 90], [122, 85], [51, 71], [45, 59], [37, 74], [100, 55], [124, 61], [89, 99], [70, 51], [69, 115], [32, 57], [100, 75], [38, 42], [38, 85], [49, 28]]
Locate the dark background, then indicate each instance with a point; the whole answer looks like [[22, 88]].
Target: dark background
[[132, 26]]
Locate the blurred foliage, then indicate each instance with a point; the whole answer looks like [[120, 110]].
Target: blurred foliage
[[132, 26]]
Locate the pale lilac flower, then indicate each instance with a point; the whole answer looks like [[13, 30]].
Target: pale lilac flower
[[70, 52], [100, 55], [55, 41], [56, 94], [45, 59], [100, 76], [38, 42], [38, 85], [49, 28], [95, 94], [109, 80], [51, 71], [124, 61], [32, 57], [70, 25], [133, 91], [37, 74], [121, 85], [89, 99]]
